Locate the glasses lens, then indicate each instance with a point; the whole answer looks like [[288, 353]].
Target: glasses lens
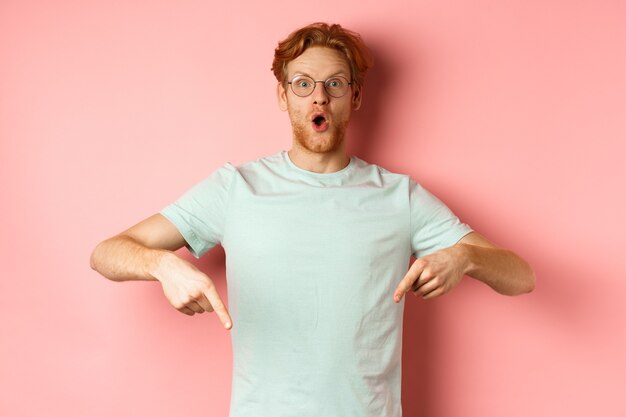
[[336, 86], [302, 86]]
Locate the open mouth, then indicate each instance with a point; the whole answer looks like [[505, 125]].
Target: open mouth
[[319, 120]]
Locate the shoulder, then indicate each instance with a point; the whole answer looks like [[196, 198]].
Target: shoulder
[[384, 175], [259, 164]]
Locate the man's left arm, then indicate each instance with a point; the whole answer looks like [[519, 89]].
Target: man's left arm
[[436, 274]]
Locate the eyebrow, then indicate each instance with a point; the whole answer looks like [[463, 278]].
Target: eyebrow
[[341, 73]]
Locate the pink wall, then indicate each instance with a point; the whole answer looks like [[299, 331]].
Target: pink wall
[[514, 113]]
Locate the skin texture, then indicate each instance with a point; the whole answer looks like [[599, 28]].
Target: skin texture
[[146, 250], [318, 151], [436, 274]]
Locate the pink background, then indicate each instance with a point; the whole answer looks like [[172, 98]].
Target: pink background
[[512, 112]]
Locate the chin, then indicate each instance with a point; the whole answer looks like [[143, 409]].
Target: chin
[[320, 144], [314, 142]]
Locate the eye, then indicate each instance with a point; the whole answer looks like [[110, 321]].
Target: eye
[[335, 83], [302, 83]]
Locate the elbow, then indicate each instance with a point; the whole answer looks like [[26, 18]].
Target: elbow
[[94, 259], [523, 283], [99, 263], [529, 280], [527, 286]]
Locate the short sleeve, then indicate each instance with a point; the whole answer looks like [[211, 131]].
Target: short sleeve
[[200, 213], [433, 225]]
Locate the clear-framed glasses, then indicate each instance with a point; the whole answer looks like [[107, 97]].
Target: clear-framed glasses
[[303, 85]]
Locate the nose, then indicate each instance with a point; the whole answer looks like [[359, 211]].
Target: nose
[[320, 96]]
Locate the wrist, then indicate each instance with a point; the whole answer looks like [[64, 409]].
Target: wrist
[[467, 259], [157, 259]]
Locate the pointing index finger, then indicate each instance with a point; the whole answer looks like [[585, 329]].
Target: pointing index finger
[[219, 307], [407, 282]]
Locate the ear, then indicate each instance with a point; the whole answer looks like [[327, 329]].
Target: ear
[[281, 94], [356, 98]]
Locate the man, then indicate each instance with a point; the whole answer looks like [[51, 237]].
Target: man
[[317, 246]]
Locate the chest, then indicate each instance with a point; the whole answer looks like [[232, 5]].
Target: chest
[[317, 223]]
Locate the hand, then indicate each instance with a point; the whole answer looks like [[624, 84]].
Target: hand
[[435, 274], [188, 289]]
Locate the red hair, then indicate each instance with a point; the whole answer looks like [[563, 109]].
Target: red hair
[[333, 36]]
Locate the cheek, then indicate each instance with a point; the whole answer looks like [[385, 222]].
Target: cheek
[[296, 115], [344, 113]]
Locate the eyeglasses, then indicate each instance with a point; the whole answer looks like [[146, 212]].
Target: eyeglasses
[[303, 86]]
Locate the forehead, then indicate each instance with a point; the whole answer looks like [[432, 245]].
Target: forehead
[[319, 62]]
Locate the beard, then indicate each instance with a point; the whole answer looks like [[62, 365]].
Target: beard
[[325, 142]]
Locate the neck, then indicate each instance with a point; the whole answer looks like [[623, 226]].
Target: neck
[[322, 162]]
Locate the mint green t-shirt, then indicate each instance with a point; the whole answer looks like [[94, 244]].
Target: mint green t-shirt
[[312, 262]]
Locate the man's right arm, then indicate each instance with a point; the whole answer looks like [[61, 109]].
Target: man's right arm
[[145, 252]]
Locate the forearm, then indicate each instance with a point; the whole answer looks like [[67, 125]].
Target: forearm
[[501, 269], [122, 258]]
